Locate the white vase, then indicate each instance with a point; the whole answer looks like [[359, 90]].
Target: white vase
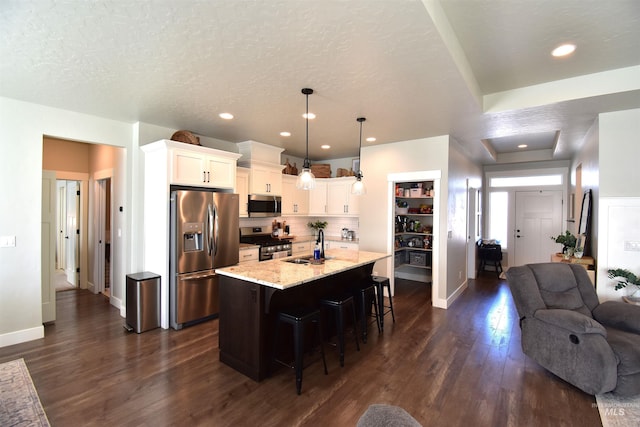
[[633, 292]]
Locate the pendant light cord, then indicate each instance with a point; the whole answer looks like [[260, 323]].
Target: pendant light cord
[[359, 171], [306, 163]]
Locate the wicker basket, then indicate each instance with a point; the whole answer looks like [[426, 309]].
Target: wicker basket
[[185, 136], [345, 172], [290, 170], [321, 170]]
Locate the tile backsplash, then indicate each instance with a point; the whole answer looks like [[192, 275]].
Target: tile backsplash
[[298, 225]]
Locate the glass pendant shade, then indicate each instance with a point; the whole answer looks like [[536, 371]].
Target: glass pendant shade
[[357, 188], [306, 180]]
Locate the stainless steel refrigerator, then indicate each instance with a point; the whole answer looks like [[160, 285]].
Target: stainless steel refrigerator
[[204, 236]]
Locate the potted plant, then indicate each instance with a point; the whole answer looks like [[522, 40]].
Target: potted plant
[[318, 225], [626, 279], [568, 242]]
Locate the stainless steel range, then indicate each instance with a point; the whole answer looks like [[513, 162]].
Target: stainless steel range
[[270, 247]]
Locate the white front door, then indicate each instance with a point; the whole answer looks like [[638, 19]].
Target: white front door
[[47, 251], [538, 217]]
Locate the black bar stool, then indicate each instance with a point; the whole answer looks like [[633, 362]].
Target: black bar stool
[[366, 299], [380, 283], [338, 304], [298, 318]]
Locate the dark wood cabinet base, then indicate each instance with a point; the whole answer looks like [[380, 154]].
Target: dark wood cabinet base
[[248, 310]]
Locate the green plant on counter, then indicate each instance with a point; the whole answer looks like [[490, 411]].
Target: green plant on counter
[[567, 240], [317, 225]]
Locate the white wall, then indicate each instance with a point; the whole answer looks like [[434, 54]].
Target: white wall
[[461, 169], [619, 198], [376, 212], [21, 130], [587, 158]]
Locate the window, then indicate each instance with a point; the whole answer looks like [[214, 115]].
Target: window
[[498, 216], [526, 181]]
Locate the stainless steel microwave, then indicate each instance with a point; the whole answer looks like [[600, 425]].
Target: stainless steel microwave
[[263, 206]]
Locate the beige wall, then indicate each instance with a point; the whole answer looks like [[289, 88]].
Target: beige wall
[[61, 155]]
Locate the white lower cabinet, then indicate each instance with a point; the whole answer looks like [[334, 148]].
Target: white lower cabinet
[[298, 248], [335, 244], [249, 254]]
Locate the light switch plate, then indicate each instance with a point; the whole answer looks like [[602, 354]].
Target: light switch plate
[[7, 241]]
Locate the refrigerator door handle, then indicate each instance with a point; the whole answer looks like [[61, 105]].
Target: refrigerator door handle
[[216, 229], [210, 230]]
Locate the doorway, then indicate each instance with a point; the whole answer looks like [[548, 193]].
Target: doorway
[[67, 257], [103, 236]]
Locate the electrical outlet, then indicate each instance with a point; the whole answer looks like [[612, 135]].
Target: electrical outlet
[[7, 241], [633, 246]]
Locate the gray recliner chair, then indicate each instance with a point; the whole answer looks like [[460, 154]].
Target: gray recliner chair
[[595, 347]]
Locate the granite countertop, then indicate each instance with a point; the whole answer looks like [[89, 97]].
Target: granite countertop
[[248, 246], [326, 238], [280, 274]]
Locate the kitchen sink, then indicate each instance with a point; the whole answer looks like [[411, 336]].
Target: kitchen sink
[[304, 260]]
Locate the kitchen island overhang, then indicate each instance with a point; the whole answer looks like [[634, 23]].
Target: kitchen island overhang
[[251, 295]]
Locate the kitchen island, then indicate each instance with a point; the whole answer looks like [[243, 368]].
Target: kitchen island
[[252, 293]]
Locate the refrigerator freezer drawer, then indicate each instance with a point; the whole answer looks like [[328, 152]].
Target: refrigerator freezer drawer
[[196, 296]]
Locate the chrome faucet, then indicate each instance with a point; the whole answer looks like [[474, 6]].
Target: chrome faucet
[[320, 242]]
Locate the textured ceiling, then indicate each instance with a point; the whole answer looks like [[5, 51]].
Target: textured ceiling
[[413, 68]]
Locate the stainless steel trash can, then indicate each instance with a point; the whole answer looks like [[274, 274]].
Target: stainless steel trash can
[[143, 301]]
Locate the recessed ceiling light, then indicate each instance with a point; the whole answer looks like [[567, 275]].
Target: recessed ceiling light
[[522, 146], [325, 146], [563, 50], [311, 116], [370, 139], [285, 133], [226, 116]]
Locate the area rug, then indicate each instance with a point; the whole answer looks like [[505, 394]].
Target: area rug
[[19, 401], [618, 411]]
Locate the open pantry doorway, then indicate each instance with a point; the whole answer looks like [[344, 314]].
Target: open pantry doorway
[[415, 225]]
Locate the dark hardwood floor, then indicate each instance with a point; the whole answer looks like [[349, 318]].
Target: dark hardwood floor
[[457, 367]]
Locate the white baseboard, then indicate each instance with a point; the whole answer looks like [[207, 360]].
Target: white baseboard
[[24, 335], [91, 287], [454, 296]]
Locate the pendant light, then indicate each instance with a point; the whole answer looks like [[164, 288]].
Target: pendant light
[[357, 187], [306, 180]]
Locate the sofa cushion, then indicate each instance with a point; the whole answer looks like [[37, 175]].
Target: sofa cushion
[[626, 347], [559, 287]]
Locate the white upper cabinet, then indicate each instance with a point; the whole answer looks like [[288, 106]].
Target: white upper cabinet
[[242, 189], [264, 162], [340, 201], [265, 179], [318, 198], [294, 201], [201, 166]]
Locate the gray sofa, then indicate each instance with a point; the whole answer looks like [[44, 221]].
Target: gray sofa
[[595, 347]]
